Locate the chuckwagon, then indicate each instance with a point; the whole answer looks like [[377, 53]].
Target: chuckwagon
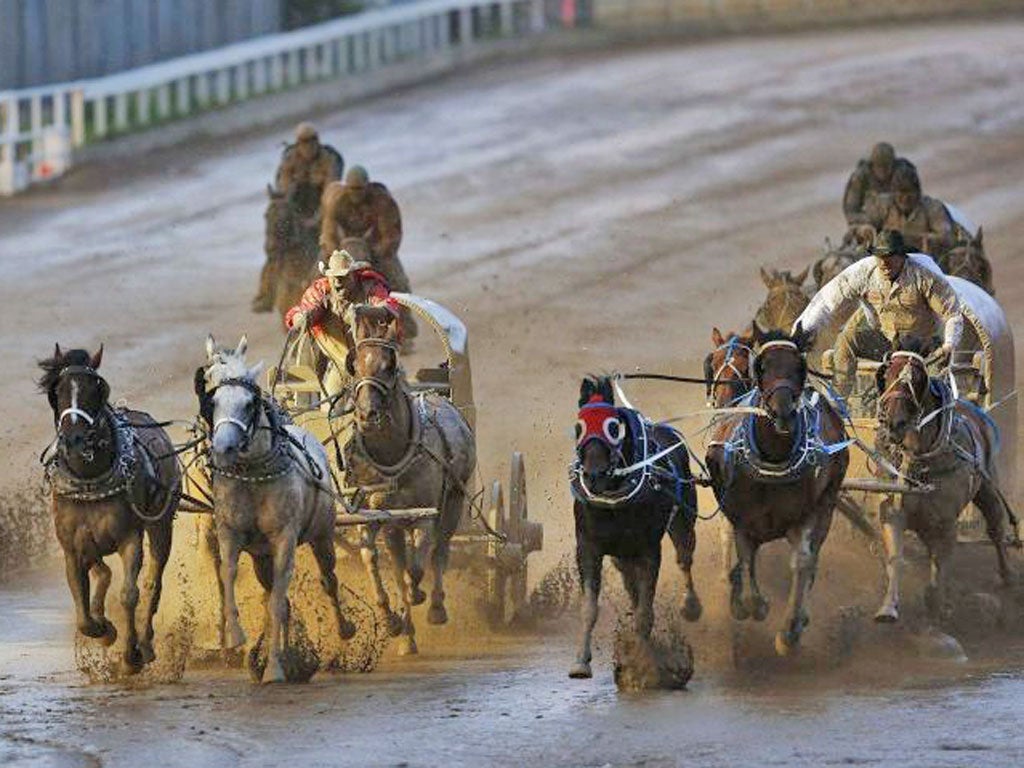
[[495, 537], [983, 370]]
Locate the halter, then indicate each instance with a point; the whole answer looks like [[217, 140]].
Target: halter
[[248, 430], [766, 394], [73, 409], [896, 390], [742, 381], [383, 386]]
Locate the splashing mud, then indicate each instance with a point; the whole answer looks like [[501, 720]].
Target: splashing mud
[[665, 661], [299, 658], [557, 591], [26, 535]]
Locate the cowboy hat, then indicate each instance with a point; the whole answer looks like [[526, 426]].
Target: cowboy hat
[[341, 264]]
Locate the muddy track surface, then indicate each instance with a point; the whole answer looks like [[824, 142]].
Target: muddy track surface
[[581, 213]]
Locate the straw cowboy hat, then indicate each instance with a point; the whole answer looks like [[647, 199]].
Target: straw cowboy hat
[[341, 264]]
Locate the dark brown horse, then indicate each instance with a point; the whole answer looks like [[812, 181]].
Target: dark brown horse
[[624, 510], [951, 445], [114, 480], [777, 474]]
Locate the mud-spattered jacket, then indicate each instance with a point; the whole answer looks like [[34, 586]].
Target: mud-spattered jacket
[[315, 302]]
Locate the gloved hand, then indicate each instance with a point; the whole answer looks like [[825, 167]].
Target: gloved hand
[[940, 357], [299, 322]]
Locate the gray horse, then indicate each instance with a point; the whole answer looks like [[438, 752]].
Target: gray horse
[[418, 451], [271, 492]]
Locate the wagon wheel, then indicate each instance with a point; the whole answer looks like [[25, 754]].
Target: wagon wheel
[[507, 576]]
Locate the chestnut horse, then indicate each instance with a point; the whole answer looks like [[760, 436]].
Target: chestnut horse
[[950, 444], [777, 474]]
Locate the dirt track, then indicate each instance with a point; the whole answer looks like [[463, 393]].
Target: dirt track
[[580, 213]]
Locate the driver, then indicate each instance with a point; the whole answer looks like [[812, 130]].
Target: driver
[[900, 294], [322, 310], [869, 184]]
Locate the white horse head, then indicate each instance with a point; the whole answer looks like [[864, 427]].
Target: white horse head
[[236, 401]]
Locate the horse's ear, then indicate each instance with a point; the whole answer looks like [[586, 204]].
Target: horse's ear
[[211, 347], [96, 359], [716, 337], [587, 389], [605, 388], [979, 237], [350, 362], [243, 345], [256, 370], [767, 278], [804, 339], [57, 354], [880, 375], [801, 277], [393, 330]]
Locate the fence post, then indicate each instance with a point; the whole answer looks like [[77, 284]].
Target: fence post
[[538, 18], [466, 25], [121, 112], [99, 116], [77, 118], [7, 146]]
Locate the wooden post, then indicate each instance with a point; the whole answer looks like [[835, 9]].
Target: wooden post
[[465, 26], [99, 117], [343, 53], [77, 118], [182, 96], [222, 87], [276, 72], [142, 106], [163, 101], [259, 76], [121, 112], [294, 67], [241, 76], [203, 90]]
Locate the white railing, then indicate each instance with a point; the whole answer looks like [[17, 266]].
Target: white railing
[[40, 127]]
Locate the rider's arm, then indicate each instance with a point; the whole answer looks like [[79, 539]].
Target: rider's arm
[[838, 299], [940, 228], [853, 199], [313, 303], [389, 227], [944, 302]]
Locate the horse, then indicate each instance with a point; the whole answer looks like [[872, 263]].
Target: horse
[[778, 474], [967, 259], [623, 510], [291, 242], [114, 481], [854, 247], [407, 451], [271, 492], [951, 445], [785, 301], [727, 368]]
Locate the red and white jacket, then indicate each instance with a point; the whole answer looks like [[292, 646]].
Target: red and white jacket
[[315, 302]]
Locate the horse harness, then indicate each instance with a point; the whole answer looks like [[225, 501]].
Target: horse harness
[[133, 472], [713, 378]]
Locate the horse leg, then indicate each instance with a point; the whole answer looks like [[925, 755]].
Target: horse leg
[[371, 560], [284, 567], [745, 587], [684, 539], [589, 563], [992, 509], [802, 564], [326, 560], [646, 581], [159, 552], [98, 606], [131, 560], [397, 546], [77, 574], [893, 524], [439, 563], [420, 541], [229, 546]]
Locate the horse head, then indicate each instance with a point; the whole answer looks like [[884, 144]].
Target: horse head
[[373, 364], [902, 381], [727, 368], [780, 373], [78, 395], [600, 433], [234, 401], [786, 298]]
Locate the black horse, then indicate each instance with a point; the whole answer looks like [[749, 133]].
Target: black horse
[[114, 480], [632, 484]]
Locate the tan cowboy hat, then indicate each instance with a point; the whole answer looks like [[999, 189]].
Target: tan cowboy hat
[[341, 264], [305, 131]]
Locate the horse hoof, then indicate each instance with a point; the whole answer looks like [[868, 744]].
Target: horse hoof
[[692, 609], [437, 614], [347, 630], [407, 646], [133, 661], [234, 638], [739, 610], [274, 673], [580, 671], [758, 608], [148, 654], [109, 635], [887, 615], [394, 623], [784, 646], [419, 597]]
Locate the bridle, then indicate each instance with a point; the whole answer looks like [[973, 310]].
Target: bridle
[[902, 387], [782, 384], [74, 412], [248, 430], [384, 387], [742, 381]]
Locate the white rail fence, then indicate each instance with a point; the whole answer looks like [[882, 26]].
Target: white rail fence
[[41, 127]]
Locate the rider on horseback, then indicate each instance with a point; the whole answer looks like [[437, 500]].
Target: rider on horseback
[[869, 183], [363, 208], [900, 293], [306, 168], [924, 221], [323, 309]]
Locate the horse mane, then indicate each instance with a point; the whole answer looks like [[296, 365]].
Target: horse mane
[[228, 365], [775, 335], [52, 366]]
